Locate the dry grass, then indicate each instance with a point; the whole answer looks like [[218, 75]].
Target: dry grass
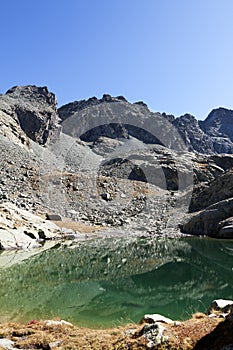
[[38, 335], [202, 165], [77, 226], [187, 335]]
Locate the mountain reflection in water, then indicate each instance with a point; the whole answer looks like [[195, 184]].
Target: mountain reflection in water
[[105, 282]]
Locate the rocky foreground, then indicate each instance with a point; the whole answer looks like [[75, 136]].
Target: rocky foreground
[[107, 165], [212, 330]]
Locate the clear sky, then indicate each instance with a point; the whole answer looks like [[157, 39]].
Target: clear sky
[[175, 55]]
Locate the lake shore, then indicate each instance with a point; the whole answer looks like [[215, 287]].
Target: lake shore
[[195, 333]]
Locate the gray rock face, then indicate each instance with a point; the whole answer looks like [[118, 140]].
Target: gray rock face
[[35, 109], [115, 118], [213, 135], [218, 189], [69, 109], [193, 136], [213, 204], [219, 123]]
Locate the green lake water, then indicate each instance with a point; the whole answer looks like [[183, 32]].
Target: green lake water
[[107, 282]]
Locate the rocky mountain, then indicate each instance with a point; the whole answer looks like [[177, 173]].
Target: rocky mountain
[[110, 167], [219, 124], [213, 135]]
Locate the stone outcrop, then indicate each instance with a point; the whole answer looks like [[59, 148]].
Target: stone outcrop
[[220, 188], [211, 206], [34, 109], [219, 123], [221, 336], [193, 136], [20, 229], [221, 305], [162, 333], [212, 221], [213, 135]]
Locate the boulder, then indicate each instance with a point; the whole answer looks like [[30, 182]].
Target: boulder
[[16, 239], [153, 318], [226, 231], [21, 229], [221, 337], [209, 221], [154, 335], [222, 305], [53, 217], [7, 344], [57, 323], [218, 189]]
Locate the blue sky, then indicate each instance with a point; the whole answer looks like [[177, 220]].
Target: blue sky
[[175, 55]]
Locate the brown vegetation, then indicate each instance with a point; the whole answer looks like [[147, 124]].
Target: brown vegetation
[[199, 333]]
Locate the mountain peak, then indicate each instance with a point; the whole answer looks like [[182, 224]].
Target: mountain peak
[[32, 93]]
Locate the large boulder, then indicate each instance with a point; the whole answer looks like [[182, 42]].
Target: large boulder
[[221, 305], [20, 229], [225, 228], [211, 221], [217, 190]]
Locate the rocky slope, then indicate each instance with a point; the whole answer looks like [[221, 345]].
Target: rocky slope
[[113, 166]]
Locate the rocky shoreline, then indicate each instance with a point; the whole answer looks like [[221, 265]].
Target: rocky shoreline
[[212, 330]]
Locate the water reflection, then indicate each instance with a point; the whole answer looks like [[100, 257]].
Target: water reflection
[[108, 281]]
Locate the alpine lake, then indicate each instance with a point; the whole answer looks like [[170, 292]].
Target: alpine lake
[[111, 281]]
